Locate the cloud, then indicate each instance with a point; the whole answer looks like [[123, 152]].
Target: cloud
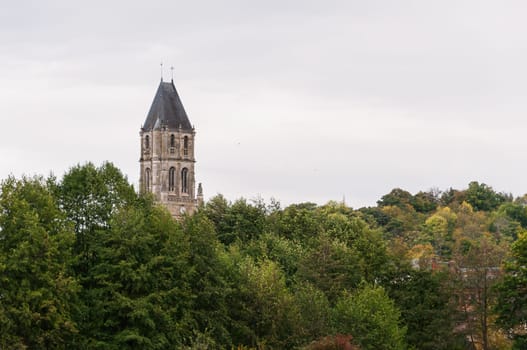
[[300, 100]]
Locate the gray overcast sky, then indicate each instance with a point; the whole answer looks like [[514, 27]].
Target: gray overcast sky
[[297, 100]]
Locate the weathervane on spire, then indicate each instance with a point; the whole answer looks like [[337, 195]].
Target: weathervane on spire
[[161, 68], [172, 73]]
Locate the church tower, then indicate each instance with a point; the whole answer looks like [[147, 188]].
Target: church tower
[[167, 153]]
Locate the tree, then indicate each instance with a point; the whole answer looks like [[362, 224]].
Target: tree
[[207, 279], [425, 300], [216, 210], [483, 197], [397, 197], [371, 317], [478, 270], [315, 312], [298, 222], [89, 196], [511, 305], [515, 211], [265, 312], [452, 197], [425, 202], [240, 220], [509, 220], [139, 295], [403, 222], [37, 291], [369, 245], [331, 266], [439, 229], [287, 253], [345, 252]]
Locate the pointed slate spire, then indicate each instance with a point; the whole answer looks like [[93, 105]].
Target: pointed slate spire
[[167, 110]]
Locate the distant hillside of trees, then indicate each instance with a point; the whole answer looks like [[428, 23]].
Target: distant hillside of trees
[[87, 263]]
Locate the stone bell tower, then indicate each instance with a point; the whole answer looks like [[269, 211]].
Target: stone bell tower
[[167, 153]]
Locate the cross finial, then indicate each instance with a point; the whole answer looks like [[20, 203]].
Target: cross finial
[[172, 73], [161, 68]]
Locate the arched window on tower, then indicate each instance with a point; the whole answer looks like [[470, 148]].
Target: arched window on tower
[[147, 179], [184, 180], [171, 179], [185, 145], [147, 142], [172, 140]]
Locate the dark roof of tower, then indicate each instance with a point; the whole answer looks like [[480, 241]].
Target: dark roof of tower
[[167, 110]]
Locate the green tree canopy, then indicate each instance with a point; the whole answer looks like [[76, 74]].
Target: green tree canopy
[[89, 196], [512, 296], [372, 318], [207, 278], [425, 300], [483, 197], [140, 295], [238, 221], [267, 315], [37, 290]]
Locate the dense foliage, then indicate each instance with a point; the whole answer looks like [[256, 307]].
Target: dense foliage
[[87, 263]]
